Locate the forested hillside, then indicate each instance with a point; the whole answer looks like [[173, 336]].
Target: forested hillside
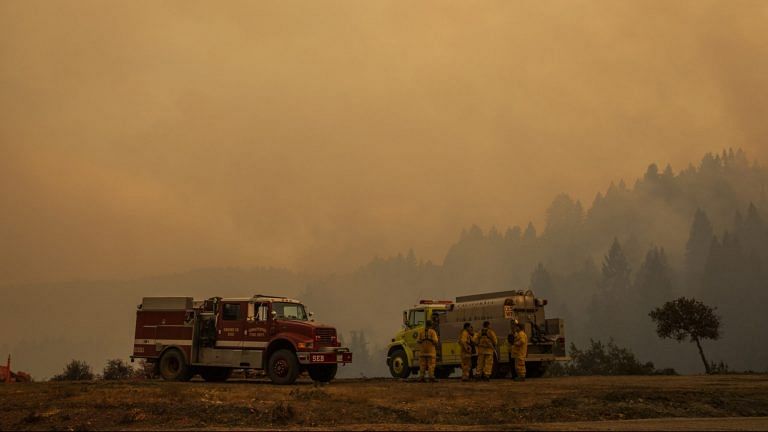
[[698, 232]]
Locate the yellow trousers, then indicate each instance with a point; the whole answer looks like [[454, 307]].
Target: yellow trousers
[[427, 364], [484, 364], [466, 365], [520, 367]]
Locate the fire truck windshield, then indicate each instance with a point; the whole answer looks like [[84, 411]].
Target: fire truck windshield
[[291, 311]]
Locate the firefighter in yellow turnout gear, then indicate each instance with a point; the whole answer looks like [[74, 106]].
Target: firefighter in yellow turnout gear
[[427, 339], [465, 341], [486, 342], [519, 351]]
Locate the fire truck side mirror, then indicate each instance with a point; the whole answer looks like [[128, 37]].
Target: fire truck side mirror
[[405, 318]]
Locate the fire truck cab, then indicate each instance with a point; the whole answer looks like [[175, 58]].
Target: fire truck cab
[[213, 337]]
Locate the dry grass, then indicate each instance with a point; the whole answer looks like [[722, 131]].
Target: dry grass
[[381, 403]]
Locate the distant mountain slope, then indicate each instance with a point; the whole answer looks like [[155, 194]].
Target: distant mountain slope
[[565, 261]]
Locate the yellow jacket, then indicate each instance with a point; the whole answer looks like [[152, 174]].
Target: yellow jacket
[[427, 340], [520, 345], [465, 341], [485, 342]]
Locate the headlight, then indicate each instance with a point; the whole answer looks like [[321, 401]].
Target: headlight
[[305, 345]]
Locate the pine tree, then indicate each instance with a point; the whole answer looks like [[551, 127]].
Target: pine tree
[[652, 173], [530, 232], [763, 203], [697, 249], [653, 283], [564, 217], [513, 234], [359, 346], [616, 270], [754, 227], [410, 259], [475, 233], [541, 281], [606, 316]]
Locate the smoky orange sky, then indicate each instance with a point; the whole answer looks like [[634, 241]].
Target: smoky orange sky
[[146, 137]]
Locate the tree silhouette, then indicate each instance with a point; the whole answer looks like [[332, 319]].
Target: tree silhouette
[[530, 232], [613, 291], [541, 281], [564, 216], [616, 270], [686, 318], [697, 248], [654, 277]]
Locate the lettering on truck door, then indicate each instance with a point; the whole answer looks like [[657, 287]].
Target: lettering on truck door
[[257, 326], [231, 325]]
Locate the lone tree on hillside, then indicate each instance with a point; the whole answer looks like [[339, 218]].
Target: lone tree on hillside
[[690, 319]]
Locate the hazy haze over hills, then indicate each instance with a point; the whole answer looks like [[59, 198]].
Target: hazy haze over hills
[[144, 138]]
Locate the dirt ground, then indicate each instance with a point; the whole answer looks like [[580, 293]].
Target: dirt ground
[[585, 403]]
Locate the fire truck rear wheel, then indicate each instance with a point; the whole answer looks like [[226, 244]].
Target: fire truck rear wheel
[[323, 373], [174, 367], [215, 374], [283, 367], [398, 365]]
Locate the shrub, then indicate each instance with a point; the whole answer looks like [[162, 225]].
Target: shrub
[[116, 369], [603, 359], [76, 370]]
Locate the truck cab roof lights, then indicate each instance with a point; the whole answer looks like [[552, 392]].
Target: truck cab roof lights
[[435, 301]]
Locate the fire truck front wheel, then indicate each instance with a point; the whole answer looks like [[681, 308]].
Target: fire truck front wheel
[[322, 373], [398, 364], [283, 367], [174, 367]]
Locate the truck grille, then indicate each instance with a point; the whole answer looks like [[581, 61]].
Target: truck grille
[[325, 336]]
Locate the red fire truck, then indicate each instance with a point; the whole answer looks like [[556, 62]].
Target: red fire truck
[[212, 337]]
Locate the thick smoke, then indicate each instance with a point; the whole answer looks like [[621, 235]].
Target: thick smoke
[[142, 139], [145, 139]]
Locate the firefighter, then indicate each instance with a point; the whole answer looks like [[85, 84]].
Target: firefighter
[[486, 342], [519, 350], [465, 340], [427, 339]]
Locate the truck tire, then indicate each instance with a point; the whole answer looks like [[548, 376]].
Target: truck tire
[[173, 366], [322, 373], [283, 367], [215, 374], [398, 365]]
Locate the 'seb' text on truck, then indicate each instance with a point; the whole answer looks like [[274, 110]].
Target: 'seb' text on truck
[[184, 337]]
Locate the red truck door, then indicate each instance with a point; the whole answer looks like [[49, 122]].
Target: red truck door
[[231, 324], [257, 326]]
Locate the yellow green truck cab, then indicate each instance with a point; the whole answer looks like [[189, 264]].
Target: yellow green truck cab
[[403, 351], [546, 337]]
